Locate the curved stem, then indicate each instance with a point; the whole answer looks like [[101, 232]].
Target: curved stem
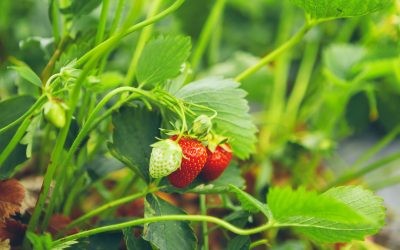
[[58, 149], [107, 206], [81, 135], [198, 218], [377, 147], [115, 39], [39, 102], [278, 51], [14, 141], [258, 243], [365, 170]]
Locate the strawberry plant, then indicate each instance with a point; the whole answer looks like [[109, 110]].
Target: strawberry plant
[[160, 125]]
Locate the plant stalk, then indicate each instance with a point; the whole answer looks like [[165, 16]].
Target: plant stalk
[[198, 218], [205, 34], [278, 51], [203, 208]]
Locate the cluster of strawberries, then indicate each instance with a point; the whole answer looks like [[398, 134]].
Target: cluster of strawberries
[[183, 158]]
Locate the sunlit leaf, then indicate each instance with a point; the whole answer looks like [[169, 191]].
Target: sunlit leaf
[[341, 214], [162, 59], [228, 100], [340, 8]]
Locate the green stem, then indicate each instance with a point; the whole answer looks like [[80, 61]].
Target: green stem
[[390, 181], [365, 170], [203, 208], [38, 104], [215, 40], [205, 34], [109, 205], [80, 137], [376, 148], [57, 152], [105, 45], [73, 192], [144, 36], [258, 243], [278, 51], [55, 23], [113, 28], [14, 141], [117, 16], [302, 80], [197, 218], [101, 27]]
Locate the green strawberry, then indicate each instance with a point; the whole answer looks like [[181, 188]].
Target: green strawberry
[[166, 157]]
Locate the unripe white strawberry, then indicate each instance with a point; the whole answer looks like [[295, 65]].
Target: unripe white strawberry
[[166, 157]]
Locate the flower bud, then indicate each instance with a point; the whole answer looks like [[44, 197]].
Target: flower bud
[[202, 125], [54, 113]]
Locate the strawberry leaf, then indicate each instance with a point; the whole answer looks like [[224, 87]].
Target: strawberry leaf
[[11, 195], [162, 58], [167, 235], [341, 214], [340, 8], [250, 203], [132, 242], [28, 74], [135, 129], [228, 100]]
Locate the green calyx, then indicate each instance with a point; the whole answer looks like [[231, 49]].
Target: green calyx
[[166, 157]]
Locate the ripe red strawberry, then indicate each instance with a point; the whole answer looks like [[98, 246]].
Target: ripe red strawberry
[[193, 160], [217, 162]]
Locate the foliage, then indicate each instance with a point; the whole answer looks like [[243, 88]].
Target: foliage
[[87, 87]]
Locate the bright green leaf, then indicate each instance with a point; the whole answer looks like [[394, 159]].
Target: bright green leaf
[[28, 74], [162, 59], [250, 203], [233, 119], [168, 235], [322, 9], [341, 214], [135, 129]]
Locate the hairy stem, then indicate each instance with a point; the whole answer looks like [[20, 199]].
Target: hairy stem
[[197, 218]]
